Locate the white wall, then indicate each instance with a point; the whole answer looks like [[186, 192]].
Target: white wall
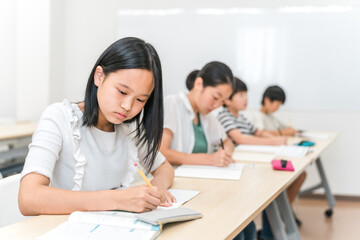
[[8, 59], [75, 34], [33, 58]]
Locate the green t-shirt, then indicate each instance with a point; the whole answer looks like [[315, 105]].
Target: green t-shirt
[[200, 145]]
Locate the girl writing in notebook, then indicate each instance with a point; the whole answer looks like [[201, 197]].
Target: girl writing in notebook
[[81, 152], [191, 133]]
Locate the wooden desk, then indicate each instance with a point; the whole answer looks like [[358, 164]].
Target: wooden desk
[[227, 206], [280, 209], [15, 137], [17, 130]]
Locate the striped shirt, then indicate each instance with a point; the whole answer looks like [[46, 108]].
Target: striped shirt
[[229, 122]]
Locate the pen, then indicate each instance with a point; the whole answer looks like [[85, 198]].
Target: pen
[[222, 143], [143, 175]]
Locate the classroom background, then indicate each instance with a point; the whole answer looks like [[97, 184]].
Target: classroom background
[[308, 48]]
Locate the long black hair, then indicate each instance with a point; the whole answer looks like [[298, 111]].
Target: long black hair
[[132, 53], [216, 73]]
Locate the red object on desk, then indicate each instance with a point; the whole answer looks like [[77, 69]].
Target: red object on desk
[[284, 165]]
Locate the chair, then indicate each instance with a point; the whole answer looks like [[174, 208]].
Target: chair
[[9, 209]]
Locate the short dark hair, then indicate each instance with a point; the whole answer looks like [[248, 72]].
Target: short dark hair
[[274, 93], [239, 86], [216, 73], [132, 53], [190, 79]]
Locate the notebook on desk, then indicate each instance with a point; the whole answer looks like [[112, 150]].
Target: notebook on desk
[[123, 225], [231, 172], [253, 157], [284, 150], [102, 225]]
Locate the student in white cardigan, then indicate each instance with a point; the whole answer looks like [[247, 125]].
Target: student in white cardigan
[[81, 153], [190, 133]]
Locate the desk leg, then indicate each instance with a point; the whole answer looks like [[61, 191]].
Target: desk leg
[[323, 184], [329, 197], [273, 214], [287, 214]]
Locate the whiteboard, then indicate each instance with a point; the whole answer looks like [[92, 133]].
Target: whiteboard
[[313, 55]]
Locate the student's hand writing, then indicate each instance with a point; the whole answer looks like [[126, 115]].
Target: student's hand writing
[[140, 199], [221, 158], [291, 131], [166, 198]]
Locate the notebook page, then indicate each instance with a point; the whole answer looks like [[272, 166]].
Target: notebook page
[[253, 157], [257, 148], [293, 151], [315, 135], [231, 172], [182, 196], [111, 218], [83, 231]]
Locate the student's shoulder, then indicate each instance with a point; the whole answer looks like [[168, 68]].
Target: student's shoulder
[[256, 115], [223, 112], [172, 99], [57, 111], [174, 103]]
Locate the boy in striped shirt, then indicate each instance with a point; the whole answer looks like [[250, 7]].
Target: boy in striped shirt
[[237, 127]]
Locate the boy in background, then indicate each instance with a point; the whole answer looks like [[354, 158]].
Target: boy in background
[[273, 98], [238, 128]]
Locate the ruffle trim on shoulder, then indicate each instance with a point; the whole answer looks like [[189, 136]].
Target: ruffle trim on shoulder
[[132, 158], [76, 140]]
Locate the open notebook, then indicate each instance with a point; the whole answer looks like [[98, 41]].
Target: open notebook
[[284, 150], [253, 157], [315, 135], [231, 172], [123, 225]]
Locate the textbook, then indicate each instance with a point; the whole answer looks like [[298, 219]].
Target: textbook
[[118, 224]]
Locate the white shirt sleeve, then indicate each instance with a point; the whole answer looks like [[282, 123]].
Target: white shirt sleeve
[[46, 143], [159, 159], [281, 124], [170, 114], [258, 120], [214, 132]]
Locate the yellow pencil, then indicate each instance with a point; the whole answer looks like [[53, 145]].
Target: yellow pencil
[[143, 175]]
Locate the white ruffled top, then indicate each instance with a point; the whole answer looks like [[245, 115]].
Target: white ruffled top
[[81, 158]]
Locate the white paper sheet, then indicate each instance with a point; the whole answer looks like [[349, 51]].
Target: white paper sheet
[[182, 196], [83, 231], [231, 172], [315, 135], [253, 157], [284, 150]]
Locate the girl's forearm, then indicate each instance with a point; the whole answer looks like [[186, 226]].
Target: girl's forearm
[[49, 200], [163, 176], [179, 158]]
